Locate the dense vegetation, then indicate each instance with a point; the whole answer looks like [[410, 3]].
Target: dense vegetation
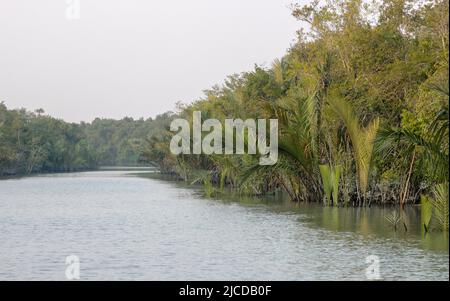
[[362, 104], [119, 142], [32, 142]]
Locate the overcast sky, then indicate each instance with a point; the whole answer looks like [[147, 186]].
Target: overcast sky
[[132, 58]]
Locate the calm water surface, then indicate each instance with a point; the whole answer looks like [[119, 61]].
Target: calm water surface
[[126, 226]]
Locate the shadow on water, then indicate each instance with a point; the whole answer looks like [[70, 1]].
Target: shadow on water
[[362, 220]]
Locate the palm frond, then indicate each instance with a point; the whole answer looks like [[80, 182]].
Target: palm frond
[[390, 140], [440, 205], [325, 172], [335, 178], [362, 139], [426, 211]]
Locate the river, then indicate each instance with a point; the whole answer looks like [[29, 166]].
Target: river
[[126, 225]]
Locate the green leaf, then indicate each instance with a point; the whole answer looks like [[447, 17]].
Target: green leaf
[[426, 211], [325, 172]]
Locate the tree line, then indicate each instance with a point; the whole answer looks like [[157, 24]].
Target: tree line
[[361, 99], [32, 142]]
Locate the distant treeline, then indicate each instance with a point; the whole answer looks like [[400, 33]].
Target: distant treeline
[[32, 142], [362, 104]]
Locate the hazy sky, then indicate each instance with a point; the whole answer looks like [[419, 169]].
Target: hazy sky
[[132, 57]]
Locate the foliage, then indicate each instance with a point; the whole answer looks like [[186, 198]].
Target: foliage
[[365, 89], [440, 206], [330, 181], [362, 140], [426, 211], [33, 142], [435, 208]]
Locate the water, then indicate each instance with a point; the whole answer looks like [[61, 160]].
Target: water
[[124, 226]]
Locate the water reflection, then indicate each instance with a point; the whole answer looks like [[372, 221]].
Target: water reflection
[[364, 220], [126, 227]]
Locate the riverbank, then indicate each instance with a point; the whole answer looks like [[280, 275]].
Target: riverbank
[[386, 194], [357, 124], [365, 220]]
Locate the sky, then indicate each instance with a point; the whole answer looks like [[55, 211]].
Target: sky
[[135, 58]]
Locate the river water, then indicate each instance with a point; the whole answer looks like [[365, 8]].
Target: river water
[[126, 225]]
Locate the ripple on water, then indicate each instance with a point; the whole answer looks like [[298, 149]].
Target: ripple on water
[[130, 228]]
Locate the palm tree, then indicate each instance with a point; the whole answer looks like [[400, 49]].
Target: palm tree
[[362, 140], [415, 147], [430, 148], [297, 169], [330, 181]]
